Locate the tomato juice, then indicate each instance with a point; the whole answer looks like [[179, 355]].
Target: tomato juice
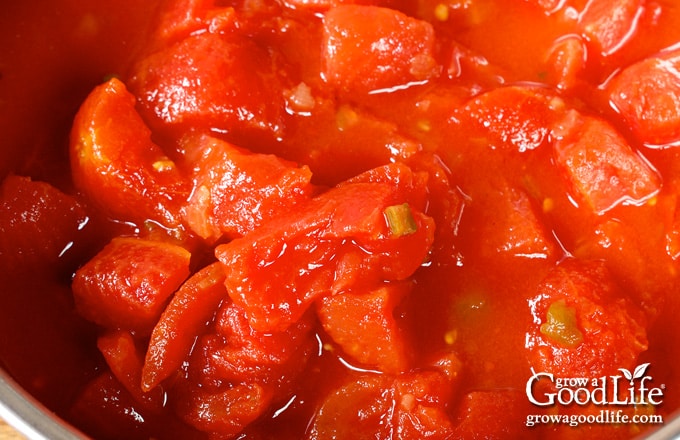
[[313, 219]]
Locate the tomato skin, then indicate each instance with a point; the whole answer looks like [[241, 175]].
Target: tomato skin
[[190, 309], [235, 352], [601, 166], [367, 48], [236, 373], [337, 240], [613, 329], [235, 191], [647, 96], [129, 282], [115, 163]]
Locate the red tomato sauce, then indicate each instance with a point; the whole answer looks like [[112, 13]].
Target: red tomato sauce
[[314, 219]]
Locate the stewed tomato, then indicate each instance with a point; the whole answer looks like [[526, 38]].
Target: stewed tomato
[[343, 219]]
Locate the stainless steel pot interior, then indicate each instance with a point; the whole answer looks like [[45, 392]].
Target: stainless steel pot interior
[[29, 416]]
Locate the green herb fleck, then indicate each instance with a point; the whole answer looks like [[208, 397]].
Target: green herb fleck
[[400, 220], [561, 325]]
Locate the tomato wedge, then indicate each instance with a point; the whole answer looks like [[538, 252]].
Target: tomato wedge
[[115, 163], [191, 308], [125, 360]]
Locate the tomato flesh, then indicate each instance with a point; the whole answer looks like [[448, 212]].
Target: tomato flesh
[[115, 162], [391, 49], [129, 282]]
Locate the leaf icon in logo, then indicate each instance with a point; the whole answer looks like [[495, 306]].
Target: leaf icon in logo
[[636, 374], [627, 374], [640, 371]]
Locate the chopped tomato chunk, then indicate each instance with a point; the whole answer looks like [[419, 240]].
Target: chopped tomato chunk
[[444, 204], [647, 95], [116, 164], [517, 118], [236, 352], [333, 136], [129, 282], [407, 406], [235, 191], [105, 404], [626, 247], [601, 166], [491, 414], [324, 5], [368, 48], [211, 81], [583, 324], [337, 240], [421, 400], [180, 18], [508, 225], [608, 24], [566, 62], [38, 224], [355, 411], [234, 373], [366, 327]]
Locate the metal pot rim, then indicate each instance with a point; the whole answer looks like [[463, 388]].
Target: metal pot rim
[[30, 417]]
